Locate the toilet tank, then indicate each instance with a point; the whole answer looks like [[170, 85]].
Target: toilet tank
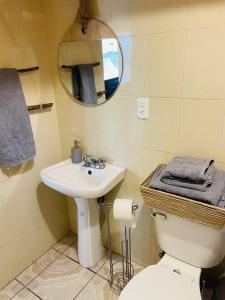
[[193, 243]]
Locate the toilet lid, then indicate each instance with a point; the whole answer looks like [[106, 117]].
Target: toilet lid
[[159, 283]]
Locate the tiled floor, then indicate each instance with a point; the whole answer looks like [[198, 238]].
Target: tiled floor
[[57, 275]]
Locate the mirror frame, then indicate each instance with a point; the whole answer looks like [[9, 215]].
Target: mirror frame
[[122, 64]]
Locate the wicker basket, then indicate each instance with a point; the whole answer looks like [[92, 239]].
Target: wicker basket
[[195, 211]]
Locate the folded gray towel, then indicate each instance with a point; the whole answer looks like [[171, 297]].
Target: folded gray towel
[[190, 168], [16, 136], [221, 204], [212, 195], [83, 81], [176, 181]]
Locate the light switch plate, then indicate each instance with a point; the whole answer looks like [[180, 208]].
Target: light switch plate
[[143, 108]]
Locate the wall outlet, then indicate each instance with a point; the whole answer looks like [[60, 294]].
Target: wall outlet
[[143, 108]]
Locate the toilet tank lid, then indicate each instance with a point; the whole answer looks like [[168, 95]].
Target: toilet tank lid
[[159, 283]]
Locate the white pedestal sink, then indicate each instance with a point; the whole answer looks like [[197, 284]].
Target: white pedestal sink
[[85, 185]]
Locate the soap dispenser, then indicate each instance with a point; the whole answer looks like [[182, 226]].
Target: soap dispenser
[[76, 156]]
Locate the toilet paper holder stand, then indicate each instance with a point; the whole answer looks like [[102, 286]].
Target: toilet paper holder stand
[[121, 271]]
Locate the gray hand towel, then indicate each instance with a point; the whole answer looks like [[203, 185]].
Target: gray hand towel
[[83, 81], [176, 181], [76, 82], [16, 136], [212, 195], [190, 168]]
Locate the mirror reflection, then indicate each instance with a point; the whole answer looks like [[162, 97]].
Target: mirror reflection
[[90, 64]]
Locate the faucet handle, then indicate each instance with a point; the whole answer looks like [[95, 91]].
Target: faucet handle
[[86, 157], [102, 160]]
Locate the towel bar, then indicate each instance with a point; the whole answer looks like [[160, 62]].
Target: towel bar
[[70, 67], [27, 70], [39, 106]]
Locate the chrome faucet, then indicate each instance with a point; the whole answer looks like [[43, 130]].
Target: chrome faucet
[[91, 162]]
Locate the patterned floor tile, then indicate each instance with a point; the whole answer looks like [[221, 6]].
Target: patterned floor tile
[[65, 242], [26, 295], [72, 252], [37, 267], [10, 290], [63, 279], [97, 289], [105, 270]]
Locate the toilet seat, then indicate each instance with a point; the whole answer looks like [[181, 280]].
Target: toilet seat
[[159, 283]]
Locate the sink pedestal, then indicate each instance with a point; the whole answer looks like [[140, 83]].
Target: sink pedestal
[[89, 236]]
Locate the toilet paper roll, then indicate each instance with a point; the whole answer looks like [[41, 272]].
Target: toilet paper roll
[[123, 211]]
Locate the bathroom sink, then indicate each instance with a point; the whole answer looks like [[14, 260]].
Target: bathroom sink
[[75, 180], [85, 185]]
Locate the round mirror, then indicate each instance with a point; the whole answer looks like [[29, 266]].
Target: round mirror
[[91, 64]]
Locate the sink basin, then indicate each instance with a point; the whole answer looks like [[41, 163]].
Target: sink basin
[[75, 180], [85, 185]]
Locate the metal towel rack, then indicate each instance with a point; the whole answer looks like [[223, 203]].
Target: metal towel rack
[[70, 67], [32, 69], [43, 106]]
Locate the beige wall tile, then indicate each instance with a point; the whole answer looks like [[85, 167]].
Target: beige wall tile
[[4, 278], [58, 20], [151, 159], [101, 10], [204, 69], [131, 158], [160, 131], [139, 17], [205, 13], [165, 15], [12, 219], [18, 256], [201, 128], [134, 51], [165, 60], [30, 215], [108, 123]]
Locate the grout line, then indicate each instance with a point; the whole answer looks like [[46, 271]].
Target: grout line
[[39, 258], [19, 290], [173, 97], [25, 288], [34, 293], [182, 80], [107, 279], [74, 260], [205, 27], [26, 285], [84, 287]]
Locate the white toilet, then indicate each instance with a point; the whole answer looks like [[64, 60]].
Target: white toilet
[[189, 247]]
